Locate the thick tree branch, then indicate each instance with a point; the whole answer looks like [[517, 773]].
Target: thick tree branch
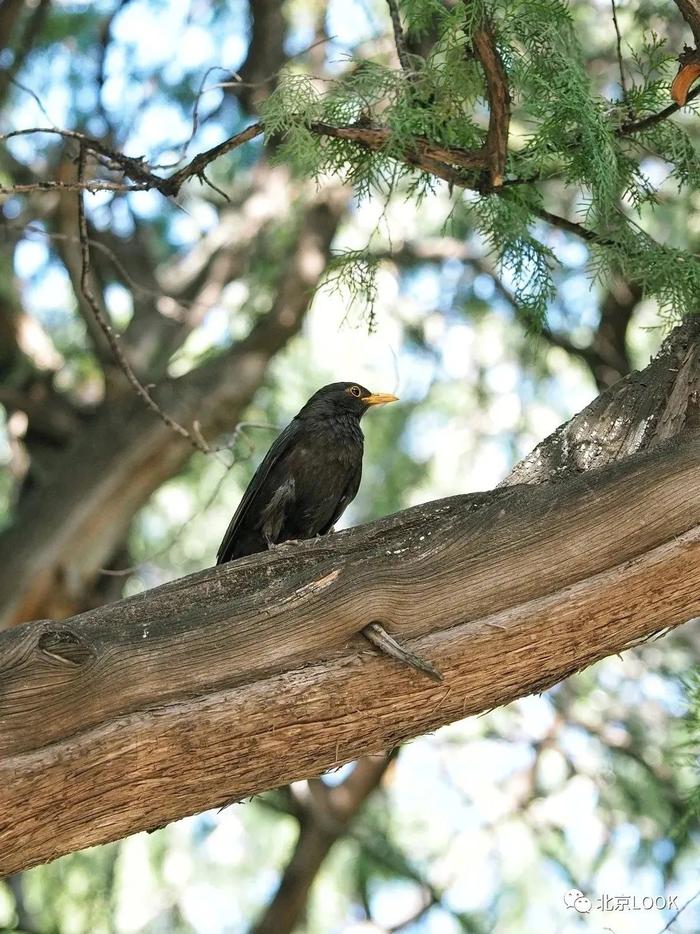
[[689, 59], [248, 676], [690, 11], [637, 413], [596, 542]]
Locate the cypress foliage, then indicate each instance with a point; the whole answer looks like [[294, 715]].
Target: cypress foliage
[[567, 135]]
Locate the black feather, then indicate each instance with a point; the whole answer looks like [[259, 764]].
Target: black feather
[[308, 477]]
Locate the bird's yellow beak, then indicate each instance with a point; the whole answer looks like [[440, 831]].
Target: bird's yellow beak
[[379, 398]]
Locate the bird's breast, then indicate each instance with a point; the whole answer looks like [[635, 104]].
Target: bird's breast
[[330, 446]]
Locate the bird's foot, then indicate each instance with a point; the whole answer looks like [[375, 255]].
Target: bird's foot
[[273, 546]]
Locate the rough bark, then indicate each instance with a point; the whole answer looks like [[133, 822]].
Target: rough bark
[[248, 676], [636, 414], [615, 552], [597, 542]]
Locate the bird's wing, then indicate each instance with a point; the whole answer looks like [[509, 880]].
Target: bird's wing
[[348, 496], [279, 447]]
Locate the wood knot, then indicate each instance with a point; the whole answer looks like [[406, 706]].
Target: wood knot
[[65, 647]]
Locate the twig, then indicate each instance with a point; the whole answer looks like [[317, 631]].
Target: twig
[[118, 265], [238, 82], [623, 82], [626, 129], [132, 167], [572, 227], [380, 638], [415, 916], [37, 99], [109, 332], [673, 920], [238, 432], [91, 185], [399, 39], [173, 540], [195, 110], [173, 184], [207, 181]]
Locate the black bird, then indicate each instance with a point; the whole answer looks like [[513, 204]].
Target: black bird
[[308, 477]]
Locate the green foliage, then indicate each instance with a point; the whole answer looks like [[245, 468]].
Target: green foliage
[[504, 222], [353, 273], [564, 129], [672, 276]]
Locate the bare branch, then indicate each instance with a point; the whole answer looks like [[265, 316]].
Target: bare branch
[[238, 432], [195, 110], [399, 39], [572, 227], [200, 162], [36, 98], [90, 185], [680, 911], [637, 126], [131, 167], [109, 332], [620, 65]]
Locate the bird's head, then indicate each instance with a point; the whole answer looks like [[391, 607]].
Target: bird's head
[[341, 398]]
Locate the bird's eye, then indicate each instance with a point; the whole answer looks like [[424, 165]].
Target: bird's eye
[[355, 391]]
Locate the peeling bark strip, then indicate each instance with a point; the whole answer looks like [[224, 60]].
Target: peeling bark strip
[[244, 677], [496, 147], [689, 59]]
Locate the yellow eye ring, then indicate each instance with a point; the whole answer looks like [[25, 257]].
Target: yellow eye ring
[[355, 391]]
